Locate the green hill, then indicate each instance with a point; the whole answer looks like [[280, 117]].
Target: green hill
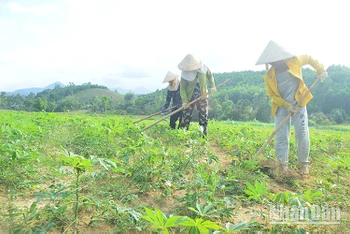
[[91, 94], [244, 97]]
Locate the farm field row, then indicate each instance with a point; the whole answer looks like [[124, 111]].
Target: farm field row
[[64, 173]]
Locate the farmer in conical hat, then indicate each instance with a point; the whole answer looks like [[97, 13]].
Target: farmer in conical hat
[[285, 86], [174, 96], [195, 77]]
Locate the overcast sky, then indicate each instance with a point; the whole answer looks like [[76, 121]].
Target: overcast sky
[[132, 43]]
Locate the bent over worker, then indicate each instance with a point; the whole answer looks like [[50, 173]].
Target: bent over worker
[[285, 86], [174, 96], [195, 77]]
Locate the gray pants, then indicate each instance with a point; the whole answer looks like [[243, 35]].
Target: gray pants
[[301, 133]]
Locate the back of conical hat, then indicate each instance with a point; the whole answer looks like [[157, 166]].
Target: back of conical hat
[[190, 63], [170, 76], [272, 53]]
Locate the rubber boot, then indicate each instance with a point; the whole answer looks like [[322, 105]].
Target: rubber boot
[[205, 130]]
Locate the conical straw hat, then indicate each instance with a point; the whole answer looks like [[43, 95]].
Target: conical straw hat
[[190, 63], [272, 53], [170, 76]]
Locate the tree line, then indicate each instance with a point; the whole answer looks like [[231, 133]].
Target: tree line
[[59, 99], [243, 98]]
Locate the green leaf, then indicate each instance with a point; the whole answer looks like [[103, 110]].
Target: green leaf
[[211, 225], [250, 186], [207, 208], [32, 207], [173, 221], [237, 227], [160, 216], [189, 222], [151, 216]]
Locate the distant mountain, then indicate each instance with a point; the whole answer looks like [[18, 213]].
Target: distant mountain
[[35, 90], [138, 90], [53, 85]]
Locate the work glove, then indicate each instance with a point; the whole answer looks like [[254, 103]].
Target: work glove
[[184, 105], [292, 109], [178, 106], [322, 76], [212, 90]]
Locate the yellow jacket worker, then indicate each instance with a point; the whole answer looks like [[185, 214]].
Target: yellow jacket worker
[[285, 86]]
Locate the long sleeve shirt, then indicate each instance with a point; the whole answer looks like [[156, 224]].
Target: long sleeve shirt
[[173, 96], [187, 87], [295, 65]]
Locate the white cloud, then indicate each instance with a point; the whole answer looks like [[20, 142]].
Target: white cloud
[[43, 10], [106, 41]]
